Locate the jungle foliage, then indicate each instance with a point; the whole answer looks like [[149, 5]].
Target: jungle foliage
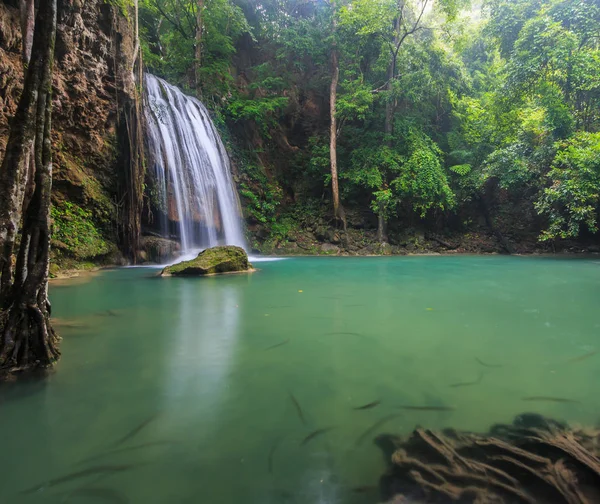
[[437, 101]]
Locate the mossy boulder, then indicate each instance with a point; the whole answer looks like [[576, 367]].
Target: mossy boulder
[[212, 261]]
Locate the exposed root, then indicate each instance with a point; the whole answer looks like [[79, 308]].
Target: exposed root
[[545, 462]]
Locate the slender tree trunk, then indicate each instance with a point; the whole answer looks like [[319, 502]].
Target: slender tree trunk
[[390, 109], [199, 34], [338, 210], [27, 10], [333, 131], [27, 339]]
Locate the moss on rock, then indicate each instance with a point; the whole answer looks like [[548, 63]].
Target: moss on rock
[[212, 261]]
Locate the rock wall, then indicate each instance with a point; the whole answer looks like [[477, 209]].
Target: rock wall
[[93, 82]]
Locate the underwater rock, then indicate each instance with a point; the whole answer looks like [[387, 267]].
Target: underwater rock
[[212, 261]]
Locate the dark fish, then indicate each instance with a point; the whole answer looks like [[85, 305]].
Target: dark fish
[[78, 475], [136, 430], [298, 408], [278, 345], [68, 323], [129, 448], [369, 406], [376, 426], [364, 489], [428, 408], [485, 364], [583, 357], [550, 399], [105, 494], [274, 447], [343, 334], [315, 434], [466, 384]]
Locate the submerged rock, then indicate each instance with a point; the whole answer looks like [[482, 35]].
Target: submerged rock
[[212, 261]]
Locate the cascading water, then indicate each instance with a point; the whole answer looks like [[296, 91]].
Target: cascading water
[[191, 170]]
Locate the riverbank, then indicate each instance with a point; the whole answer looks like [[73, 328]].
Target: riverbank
[[353, 244]]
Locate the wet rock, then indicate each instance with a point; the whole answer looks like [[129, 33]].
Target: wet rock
[[158, 250], [386, 249], [328, 248], [213, 261]]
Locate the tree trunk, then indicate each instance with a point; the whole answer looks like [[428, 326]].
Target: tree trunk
[[338, 210], [390, 110], [27, 339], [199, 34], [27, 11]]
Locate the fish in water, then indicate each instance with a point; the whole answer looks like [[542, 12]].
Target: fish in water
[[364, 489], [344, 334], [376, 426], [278, 344], [427, 408], [485, 364], [99, 493], [583, 357], [272, 451], [134, 432], [551, 399], [298, 408], [368, 406], [91, 471], [315, 434], [127, 449], [466, 384]]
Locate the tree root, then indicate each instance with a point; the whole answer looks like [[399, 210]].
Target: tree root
[[547, 462]]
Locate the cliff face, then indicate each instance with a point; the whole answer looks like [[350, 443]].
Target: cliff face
[[93, 83]]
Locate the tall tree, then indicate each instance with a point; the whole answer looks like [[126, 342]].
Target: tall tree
[[27, 339], [338, 210]]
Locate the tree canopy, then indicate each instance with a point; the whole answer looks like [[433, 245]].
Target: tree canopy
[[438, 102]]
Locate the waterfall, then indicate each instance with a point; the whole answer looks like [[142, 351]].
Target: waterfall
[[192, 176]]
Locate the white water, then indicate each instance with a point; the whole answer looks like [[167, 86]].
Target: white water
[[191, 169]]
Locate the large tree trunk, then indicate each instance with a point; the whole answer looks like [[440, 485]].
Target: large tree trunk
[[27, 339]]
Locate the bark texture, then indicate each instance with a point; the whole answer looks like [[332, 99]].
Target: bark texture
[[27, 11], [27, 339]]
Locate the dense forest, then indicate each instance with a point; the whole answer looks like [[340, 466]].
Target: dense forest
[[400, 122]]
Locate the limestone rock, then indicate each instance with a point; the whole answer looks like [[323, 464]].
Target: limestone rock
[[158, 250], [213, 261]]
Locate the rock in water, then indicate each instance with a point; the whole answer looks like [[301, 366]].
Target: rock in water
[[212, 261]]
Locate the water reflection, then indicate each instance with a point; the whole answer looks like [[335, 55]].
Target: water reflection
[[202, 348]]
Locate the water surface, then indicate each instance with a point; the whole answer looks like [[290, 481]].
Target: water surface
[[190, 380]]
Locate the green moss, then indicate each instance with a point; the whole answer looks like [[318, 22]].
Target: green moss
[[212, 261], [75, 233]]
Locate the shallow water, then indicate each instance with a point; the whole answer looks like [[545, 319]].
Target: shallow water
[[178, 374]]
